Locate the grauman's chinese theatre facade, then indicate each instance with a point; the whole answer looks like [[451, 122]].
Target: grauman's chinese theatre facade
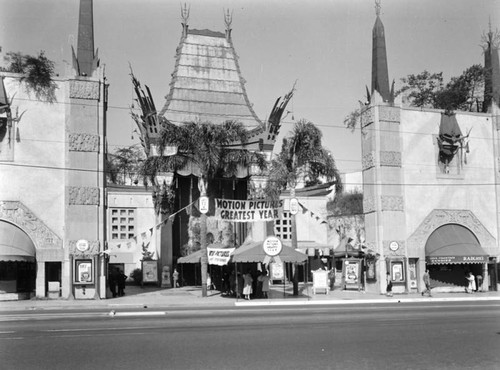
[[431, 186], [207, 86]]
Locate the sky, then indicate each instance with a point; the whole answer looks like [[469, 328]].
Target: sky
[[324, 46]]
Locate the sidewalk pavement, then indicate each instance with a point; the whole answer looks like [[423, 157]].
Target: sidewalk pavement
[[190, 297]]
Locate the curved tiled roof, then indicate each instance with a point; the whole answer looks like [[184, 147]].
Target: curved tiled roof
[[206, 83]]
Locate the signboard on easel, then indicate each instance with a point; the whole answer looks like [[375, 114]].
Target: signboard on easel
[[320, 281]]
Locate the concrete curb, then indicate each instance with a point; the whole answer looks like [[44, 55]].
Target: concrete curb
[[332, 302]]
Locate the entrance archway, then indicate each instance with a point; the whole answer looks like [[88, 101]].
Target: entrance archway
[[451, 252], [17, 260]]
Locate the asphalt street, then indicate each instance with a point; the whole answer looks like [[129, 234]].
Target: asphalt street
[[426, 335]]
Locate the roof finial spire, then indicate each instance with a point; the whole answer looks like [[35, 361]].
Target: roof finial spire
[[377, 7], [185, 17], [228, 20], [85, 60]]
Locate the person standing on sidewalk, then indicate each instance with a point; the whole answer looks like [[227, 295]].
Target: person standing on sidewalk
[[264, 279], [121, 283], [247, 288], [175, 277], [427, 282], [479, 287], [389, 285], [112, 280]]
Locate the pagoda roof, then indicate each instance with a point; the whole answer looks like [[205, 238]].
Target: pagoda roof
[[206, 83]]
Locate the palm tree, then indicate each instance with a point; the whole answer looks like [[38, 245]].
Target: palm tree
[[207, 147], [302, 160]]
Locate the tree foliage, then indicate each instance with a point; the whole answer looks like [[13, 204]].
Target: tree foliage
[[302, 159], [204, 147], [465, 92], [421, 89], [124, 165], [346, 204], [38, 72]]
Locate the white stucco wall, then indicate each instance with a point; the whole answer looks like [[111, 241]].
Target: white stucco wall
[[36, 176], [308, 227], [425, 188], [142, 202]]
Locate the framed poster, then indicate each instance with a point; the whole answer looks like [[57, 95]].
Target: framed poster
[[397, 271], [412, 272], [352, 273], [277, 271], [149, 271], [84, 272]]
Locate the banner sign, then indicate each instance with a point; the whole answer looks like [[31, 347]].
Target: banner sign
[[272, 248], [440, 260], [219, 256], [247, 210]]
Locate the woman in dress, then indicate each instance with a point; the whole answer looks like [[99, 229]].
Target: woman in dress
[[247, 288], [471, 287]]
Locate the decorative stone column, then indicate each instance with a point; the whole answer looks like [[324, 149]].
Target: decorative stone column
[[383, 201]]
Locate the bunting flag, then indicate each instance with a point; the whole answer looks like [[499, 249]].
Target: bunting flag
[[316, 216], [144, 235]]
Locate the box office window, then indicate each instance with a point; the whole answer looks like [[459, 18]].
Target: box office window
[[122, 223]]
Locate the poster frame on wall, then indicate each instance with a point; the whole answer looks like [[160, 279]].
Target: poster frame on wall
[[83, 271], [397, 270], [351, 273], [149, 271]]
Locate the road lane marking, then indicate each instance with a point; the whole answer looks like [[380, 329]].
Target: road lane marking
[[98, 329], [146, 313]]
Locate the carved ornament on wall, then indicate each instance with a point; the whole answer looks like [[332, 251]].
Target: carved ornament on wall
[[390, 159], [392, 203], [440, 217], [92, 250], [81, 195], [21, 216], [389, 114], [79, 89], [368, 160], [367, 117], [83, 142], [388, 252]]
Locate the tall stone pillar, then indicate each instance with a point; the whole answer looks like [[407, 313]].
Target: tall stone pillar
[[383, 194], [85, 195]]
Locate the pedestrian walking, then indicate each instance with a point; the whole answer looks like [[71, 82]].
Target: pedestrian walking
[[471, 283], [427, 283], [389, 285]]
